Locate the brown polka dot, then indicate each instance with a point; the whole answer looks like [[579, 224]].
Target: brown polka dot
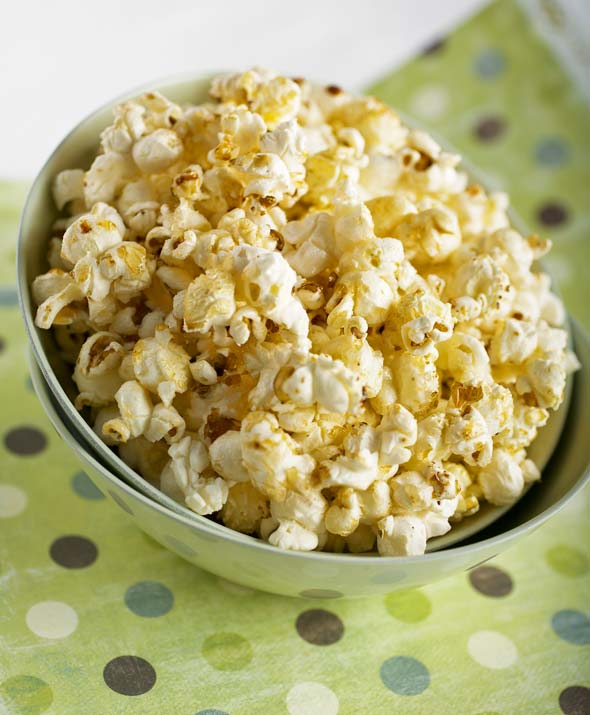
[[25, 440], [319, 627], [552, 213], [490, 128], [434, 47], [73, 552], [575, 700], [2, 344], [129, 675], [491, 581]]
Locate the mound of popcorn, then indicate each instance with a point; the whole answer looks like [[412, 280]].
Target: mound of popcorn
[[295, 315]]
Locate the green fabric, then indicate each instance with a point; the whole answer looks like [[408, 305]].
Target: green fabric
[[512, 636]]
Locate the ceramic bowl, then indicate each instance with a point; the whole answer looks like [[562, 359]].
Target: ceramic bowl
[[77, 150], [319, 575]]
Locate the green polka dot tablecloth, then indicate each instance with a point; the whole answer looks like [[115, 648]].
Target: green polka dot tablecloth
[[98, 619]]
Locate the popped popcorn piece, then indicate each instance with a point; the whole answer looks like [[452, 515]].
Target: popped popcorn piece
[[68, 186], [54, 292], [92, 233], [164, 423], [501, 480], [225, 454], [287, 309], [135, 410], [271, 457], [268, 282], [401, 536], [290, 535], [161, 365], [148, 459], [96, 372], [157, 151], [189, 461], [245, 508], [208, 302], [430, 235], [106, 177]]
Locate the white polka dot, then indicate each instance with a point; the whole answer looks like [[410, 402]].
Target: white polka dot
[[492, 649], [235, 588], [52, 619], [431, 101], [311, 699], [13, 501]]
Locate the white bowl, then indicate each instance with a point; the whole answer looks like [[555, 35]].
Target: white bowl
[[77, 150]]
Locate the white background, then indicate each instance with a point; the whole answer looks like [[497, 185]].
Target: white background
[[61, 59]]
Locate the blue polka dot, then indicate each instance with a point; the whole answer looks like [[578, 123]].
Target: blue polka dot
[[490, 63], [211, 711], [84, 487], [8, 296], [404, 675], [572, 626], [149, 599], [552, 151]]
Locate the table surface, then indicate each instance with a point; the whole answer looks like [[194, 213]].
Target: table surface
[[99, 618]]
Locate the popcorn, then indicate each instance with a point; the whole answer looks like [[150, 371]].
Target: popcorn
[[501, 480], [208, 302], [128, 268], [421, 320], [271, 456], [165, 423], [344, 513], [106, 177], [96, 372], [68, 186], [288, 310], [92, 234], [401, 536], [513, 342], [161, 365], [225, 454], [135, 408], [188, 464], [157, 151], [54, 292], [429, 236], [268, 281], [307, 509], [291, 535], [245, 508]]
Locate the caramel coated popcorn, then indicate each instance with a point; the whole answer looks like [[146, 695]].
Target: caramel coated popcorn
[[294, 313]]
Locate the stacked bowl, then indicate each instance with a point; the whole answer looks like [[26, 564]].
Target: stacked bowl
[[561, 450]]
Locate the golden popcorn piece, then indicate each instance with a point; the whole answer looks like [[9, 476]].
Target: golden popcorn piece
[[208, 302]]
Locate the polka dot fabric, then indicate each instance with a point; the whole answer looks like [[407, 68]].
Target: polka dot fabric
[[100, 618]]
